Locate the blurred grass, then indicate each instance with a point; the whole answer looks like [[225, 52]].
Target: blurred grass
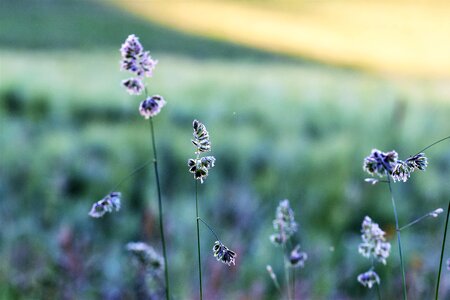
[[397, 36], [90, 25], [70, 132]]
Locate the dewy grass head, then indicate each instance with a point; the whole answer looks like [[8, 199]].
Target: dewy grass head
[[200, 166]]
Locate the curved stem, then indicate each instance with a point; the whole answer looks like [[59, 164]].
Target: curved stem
[[198, 241], [429, 146], [442, 252], [131, 174], [161, 223], [398, 237], [210, 229]]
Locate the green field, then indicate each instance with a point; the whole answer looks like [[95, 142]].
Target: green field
[[280, 128], [70, 133]]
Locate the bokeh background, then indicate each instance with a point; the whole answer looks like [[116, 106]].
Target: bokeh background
[[294, 94]]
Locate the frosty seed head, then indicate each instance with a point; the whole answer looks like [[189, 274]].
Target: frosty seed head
[[151, 106], [223, 254], [109, 203], [369, 279]]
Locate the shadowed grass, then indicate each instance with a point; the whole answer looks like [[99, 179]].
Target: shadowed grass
[[73, 24]]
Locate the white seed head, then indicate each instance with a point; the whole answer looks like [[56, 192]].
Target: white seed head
[[436, 212], [373, 181]]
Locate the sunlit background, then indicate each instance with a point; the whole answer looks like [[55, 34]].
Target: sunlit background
[[294, 95]]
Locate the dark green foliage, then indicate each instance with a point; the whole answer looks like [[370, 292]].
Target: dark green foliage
[[94, 24]]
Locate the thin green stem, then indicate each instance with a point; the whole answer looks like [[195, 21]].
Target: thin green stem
[[198, 241], [131, 174], [210, 229], [286, 272], [398, 238], [277, 285], [378, 286], [293, 282], [274, 278], [442, 252], [429, 146], [415, 221], [378, 291], [161, 223], [289, 268]]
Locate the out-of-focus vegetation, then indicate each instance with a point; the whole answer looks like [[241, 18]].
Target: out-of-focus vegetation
[[410, 37], [88, 25], [279, 129]]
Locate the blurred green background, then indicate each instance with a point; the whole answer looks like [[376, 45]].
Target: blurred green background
[[281, 127]]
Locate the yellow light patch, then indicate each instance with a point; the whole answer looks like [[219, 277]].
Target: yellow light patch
[[406, 37]]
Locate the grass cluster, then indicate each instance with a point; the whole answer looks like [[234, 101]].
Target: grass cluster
[[69, 132]]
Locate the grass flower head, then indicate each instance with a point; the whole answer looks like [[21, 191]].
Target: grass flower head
[[151, 106], [372, 181], [223, 254], [297, 258], [369, 279], [381, 163], [284, 223], [417, 162], [200, 166], [131, 48], [134, 85], [378, 162], [146, 256], [109, 203], [435, 213], [401, 171], [374, 243], [201, 137], [135, 59]]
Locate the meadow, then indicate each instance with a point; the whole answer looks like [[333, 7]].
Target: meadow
[[280, 128]]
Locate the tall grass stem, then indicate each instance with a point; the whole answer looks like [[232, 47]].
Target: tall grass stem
[[198, 241], [210, 229], [131, 174], [286, 273], [442, 252], [293, 282], [431, 145], [378, 292], [398, 239], [414, 222], [161, 223], [378, 286], [274, 279]]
